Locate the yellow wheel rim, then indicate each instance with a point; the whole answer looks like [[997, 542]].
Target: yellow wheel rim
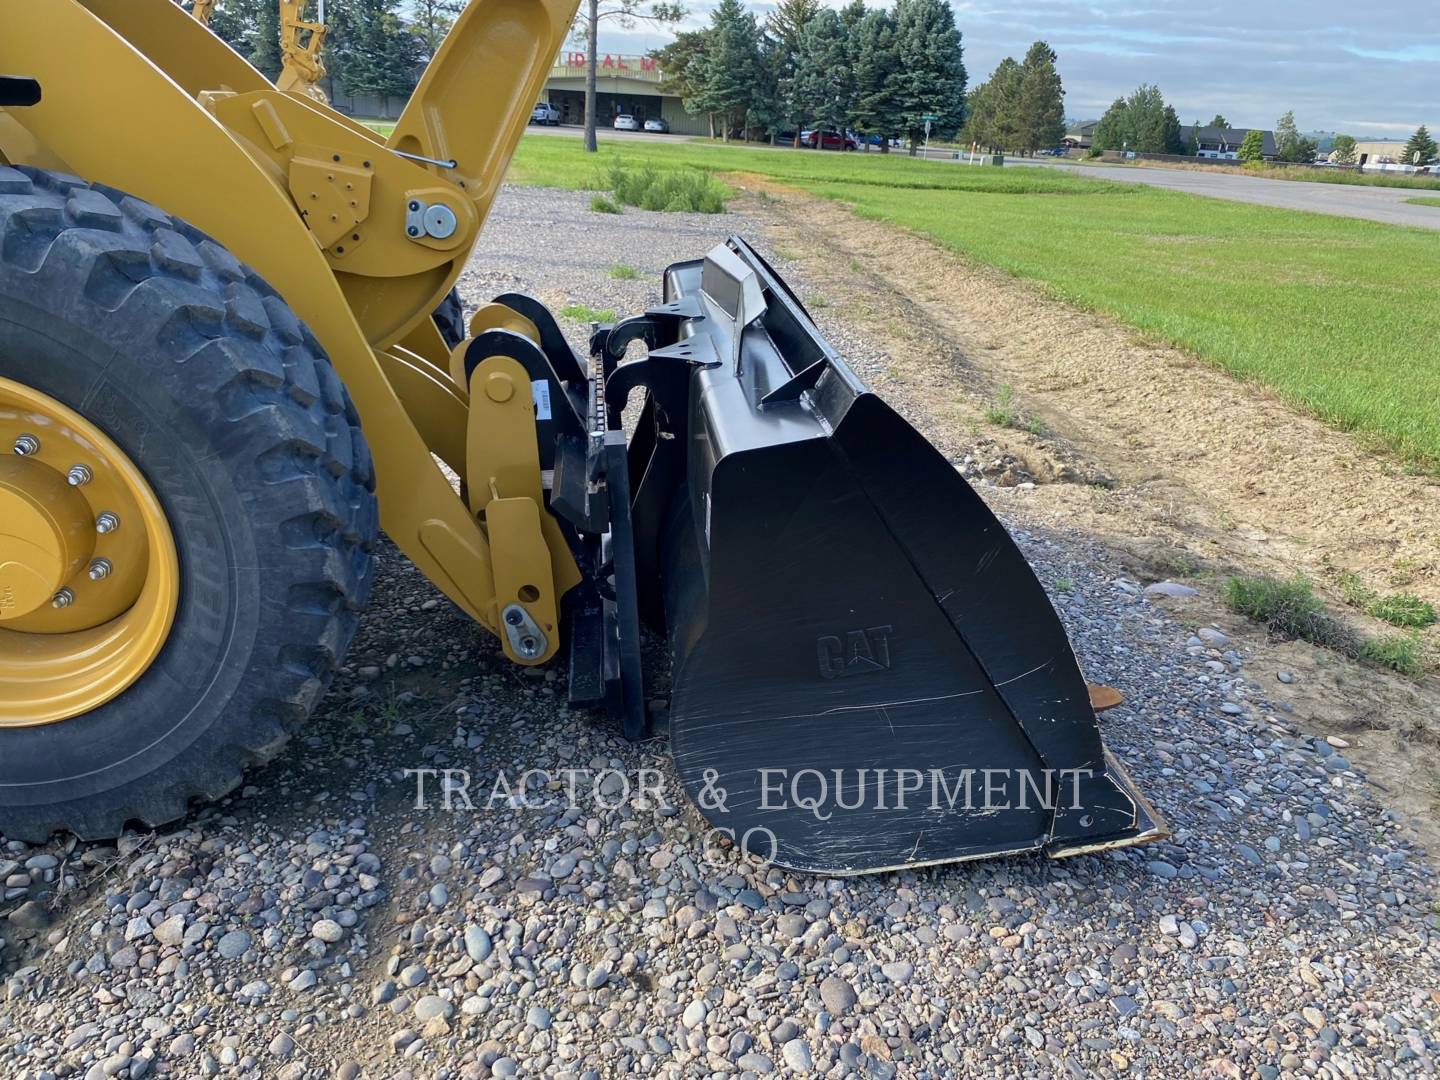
[[89, 575]]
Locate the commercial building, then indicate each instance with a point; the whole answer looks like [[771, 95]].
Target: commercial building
[[627, 85]]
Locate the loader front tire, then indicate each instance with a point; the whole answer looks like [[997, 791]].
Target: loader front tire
[[200, 374]]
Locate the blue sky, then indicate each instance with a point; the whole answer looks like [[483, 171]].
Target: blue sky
[[1363, 68]]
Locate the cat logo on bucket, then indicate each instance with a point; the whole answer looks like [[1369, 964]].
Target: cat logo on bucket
[[858, 652]]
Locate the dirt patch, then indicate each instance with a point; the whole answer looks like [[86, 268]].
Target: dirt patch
[[1187, 472]]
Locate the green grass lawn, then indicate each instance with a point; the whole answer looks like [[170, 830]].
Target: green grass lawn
[[1424, 201], [1336, 314]]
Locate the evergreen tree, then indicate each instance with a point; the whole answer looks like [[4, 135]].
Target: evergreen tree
[[382, 53], [824, 84], [732, 65], [1192, 144], [994, 108], [1420, 150], [683, 68], [1113, 130], [1253, 147], [783, 30], [235, 23], [876, 110], [931, 80], [265, 42], [1041, 106], [1174, 140]]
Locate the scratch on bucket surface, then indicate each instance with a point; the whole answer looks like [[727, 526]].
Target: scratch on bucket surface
[[737, 722], [989, 557], [1024, 674]]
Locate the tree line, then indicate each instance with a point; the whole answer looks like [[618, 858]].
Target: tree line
[[370, 47], [873, 71]]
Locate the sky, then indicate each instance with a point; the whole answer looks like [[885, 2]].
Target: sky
[[1367, 69]]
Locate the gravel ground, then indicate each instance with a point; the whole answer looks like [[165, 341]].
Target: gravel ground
[[318, 924]]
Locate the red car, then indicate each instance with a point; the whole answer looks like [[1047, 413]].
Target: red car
[[829, 140]]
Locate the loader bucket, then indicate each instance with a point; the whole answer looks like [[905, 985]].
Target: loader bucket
[[866, 673]]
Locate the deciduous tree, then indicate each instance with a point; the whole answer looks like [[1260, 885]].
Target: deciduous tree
[[1342, 152], [432, 19], [1252, 148], [625, 13], [1290, 145]]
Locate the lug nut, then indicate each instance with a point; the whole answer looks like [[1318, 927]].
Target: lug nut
[[106, 523], [79, 475], [100, 568], [63, 599], [26, 445]]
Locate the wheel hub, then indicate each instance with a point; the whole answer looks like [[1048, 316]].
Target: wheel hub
[[45, 536], [89, 575]]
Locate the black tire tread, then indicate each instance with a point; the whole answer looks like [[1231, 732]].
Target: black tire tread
[[278, 402]]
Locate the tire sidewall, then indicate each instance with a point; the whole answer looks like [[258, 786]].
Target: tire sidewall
[[204, 660]]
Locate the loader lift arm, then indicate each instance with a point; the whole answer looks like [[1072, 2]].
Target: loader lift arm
[[275, 178]]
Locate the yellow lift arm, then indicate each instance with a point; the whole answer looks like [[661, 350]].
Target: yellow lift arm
[[327, 211]]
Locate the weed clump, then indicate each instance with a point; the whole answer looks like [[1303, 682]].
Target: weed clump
[[682, 190], [1398, 609], [1289, 609], [603, 204], [1398, 652], [584, 314]]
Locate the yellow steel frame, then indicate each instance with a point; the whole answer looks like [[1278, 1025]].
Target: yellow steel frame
[[140, 96], [303, 65]]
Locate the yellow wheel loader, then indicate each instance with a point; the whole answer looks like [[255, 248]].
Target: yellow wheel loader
[[221, 372]]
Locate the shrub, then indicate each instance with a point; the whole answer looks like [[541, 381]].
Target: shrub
[[1002, 408], [603, 204], [1402, 609], [1398, 652], [1287, 609], [683, 190], [1398, 609]]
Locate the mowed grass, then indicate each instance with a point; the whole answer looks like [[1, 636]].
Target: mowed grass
[[1424, 200], [1336, 314]]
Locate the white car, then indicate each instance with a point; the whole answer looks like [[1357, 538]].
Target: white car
[[656, 124], [545, 114], [626, 122]]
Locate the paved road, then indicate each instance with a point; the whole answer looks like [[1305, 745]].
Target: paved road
[[1343, 200]]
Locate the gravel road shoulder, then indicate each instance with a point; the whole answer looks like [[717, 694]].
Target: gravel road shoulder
[[318, 924]]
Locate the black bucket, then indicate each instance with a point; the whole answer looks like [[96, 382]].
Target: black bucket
[[867, 674]]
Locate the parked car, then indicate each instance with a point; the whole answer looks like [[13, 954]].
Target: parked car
[[545, 114], [658, 125], [626, 122], [1056, 151], [829, 140]]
